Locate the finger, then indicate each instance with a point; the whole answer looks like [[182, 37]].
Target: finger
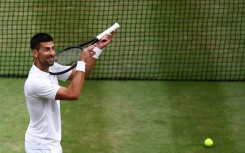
[[92, 53], [89, 48], [113, 33], [104, 39], [109, 36]]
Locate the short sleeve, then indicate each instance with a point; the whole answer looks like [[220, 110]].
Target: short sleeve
[[42, 88]]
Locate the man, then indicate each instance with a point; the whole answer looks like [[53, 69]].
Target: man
[[43, 93]]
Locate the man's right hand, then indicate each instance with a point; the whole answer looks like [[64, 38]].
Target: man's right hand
[[87, 53]]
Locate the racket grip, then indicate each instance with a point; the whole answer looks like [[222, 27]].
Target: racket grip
[[109, 30]]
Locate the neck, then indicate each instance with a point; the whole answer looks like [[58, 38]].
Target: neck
[[41, 67]]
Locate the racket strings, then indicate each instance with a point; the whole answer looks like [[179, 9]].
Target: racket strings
[[68, 57]]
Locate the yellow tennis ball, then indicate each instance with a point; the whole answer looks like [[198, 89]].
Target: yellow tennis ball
[[208, 142]]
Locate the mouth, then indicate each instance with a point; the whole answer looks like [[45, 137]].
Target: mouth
[[50, 59]]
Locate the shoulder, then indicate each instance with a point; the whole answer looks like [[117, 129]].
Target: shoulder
[[40, 87], [35, 82]]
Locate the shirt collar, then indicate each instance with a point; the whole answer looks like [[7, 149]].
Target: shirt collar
[[37, 70]]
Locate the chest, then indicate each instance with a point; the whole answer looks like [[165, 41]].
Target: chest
[[53, 79]]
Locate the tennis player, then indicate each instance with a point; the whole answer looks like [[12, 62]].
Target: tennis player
[[43, 93]]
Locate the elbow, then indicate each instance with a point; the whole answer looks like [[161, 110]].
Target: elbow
[[74, 96], [64, 94]]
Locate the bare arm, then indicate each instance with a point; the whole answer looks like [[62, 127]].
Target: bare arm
[[89, 66], [73, 90], [77, 78]]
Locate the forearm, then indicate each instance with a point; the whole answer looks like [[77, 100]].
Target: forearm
[[90, 65], [76, 85], [91, 61], [73, 90]]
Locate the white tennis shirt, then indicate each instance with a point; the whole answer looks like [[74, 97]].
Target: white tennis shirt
[[44, 130]]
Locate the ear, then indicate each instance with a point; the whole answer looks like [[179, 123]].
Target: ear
[[35, 53]]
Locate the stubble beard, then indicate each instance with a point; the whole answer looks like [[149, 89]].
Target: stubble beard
[[49, 62]]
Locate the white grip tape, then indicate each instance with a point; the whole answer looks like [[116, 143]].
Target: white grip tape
[[97, 52], [81, 66], [109, 30]]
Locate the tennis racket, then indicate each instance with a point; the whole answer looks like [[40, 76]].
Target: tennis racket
[[70, 55]]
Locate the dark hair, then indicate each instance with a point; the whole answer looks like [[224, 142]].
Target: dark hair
[[39, 37]]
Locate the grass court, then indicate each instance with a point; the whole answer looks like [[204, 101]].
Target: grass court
[[136, 117]]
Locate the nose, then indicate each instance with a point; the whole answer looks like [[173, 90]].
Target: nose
[[52, 52]]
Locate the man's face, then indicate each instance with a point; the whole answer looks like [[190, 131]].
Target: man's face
[[45, 54]]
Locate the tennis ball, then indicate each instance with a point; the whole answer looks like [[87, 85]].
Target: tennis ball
[[208, 142]]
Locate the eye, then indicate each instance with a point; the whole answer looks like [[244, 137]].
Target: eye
[[46, 49]]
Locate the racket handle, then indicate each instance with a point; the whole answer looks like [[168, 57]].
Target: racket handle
[[109, 30]]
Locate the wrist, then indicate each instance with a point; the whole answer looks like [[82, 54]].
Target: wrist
[[97, 52], [81, 66]]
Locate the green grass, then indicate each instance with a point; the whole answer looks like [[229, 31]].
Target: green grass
[[13, 114], [137, 117]]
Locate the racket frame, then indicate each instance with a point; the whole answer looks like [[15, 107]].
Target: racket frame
[[81, 46]]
